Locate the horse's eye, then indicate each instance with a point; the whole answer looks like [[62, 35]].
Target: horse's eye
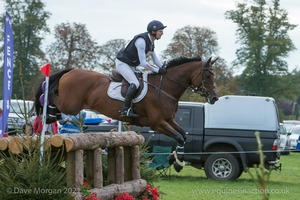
[[207, 78]]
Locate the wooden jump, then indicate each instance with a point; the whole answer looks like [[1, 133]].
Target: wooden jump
[[123, 160]]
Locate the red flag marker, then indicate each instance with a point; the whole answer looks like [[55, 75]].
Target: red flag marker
[[46, 69]]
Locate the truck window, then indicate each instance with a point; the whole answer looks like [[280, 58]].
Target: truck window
[[183, 117]]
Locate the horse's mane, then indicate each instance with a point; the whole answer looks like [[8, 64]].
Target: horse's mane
[[181, 60]]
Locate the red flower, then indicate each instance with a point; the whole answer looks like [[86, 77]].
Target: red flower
[[124, 196], [85, 184], [92, 196], [150, 193]]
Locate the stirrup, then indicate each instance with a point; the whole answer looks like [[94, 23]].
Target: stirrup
[[128, 113]]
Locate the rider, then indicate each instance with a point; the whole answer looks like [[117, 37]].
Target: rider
[[134, 54]]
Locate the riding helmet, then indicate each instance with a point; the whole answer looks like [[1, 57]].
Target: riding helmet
[[155, 26]]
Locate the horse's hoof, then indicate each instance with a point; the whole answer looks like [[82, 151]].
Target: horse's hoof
[[171, 159], [177, 167]]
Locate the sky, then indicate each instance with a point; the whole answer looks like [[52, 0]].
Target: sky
[[117, 19]]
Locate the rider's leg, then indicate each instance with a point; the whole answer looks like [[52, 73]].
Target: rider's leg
[[127, 72], [127, 110]]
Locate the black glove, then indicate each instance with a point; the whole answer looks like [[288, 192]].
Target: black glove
[[164, 64], [162, 70]]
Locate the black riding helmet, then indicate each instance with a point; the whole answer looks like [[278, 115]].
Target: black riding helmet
[[154, 26]]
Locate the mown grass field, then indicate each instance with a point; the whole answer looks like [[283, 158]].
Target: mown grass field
[[192, 184]]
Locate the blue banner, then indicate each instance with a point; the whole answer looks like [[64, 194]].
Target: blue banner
[[7, 71]]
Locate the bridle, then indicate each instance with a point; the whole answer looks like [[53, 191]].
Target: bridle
[[202, 90]]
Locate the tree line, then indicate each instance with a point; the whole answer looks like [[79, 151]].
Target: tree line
[[262, 32]]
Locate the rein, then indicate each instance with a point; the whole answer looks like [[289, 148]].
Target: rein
[[161, 90], [201, 90]]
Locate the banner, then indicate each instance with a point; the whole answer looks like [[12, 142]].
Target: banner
[[7, 71]]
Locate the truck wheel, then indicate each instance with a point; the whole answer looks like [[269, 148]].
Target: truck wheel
[[222, 167]]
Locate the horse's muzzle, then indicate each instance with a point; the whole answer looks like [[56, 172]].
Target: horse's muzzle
[[212, 97], [212, 100]]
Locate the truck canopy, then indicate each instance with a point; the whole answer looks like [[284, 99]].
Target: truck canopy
[[242, 112]]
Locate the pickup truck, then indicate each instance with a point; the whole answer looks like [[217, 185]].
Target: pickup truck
[[221, 137]]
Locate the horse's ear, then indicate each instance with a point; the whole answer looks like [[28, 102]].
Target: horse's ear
[[209, 60], [212, 62], [207, 63]]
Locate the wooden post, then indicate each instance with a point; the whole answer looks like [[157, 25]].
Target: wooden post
[[98, 176], [78, 168], [111, 166], [89, 164], [127, 164], [71, 169], [119, 165], [135, 161]]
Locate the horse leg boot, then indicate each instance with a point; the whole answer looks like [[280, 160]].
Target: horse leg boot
[[179, 158], [127, 109], [51, 114]]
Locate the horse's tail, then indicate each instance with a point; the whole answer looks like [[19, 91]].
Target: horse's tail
[[53, 89]]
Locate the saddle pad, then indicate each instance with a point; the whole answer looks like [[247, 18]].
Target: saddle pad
[[114, 90]]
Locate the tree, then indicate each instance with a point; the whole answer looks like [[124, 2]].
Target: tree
[[198, 41], [263, 33], [108, 53], [192, 41], [29, 25], [73, 47]]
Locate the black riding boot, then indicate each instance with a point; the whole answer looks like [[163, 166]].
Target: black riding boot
[[127, 110]]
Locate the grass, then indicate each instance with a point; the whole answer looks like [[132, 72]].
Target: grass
[[192, 184]]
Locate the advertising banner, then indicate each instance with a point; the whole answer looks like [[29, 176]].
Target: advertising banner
[[7, 71]]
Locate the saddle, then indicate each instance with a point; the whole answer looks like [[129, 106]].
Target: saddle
[[120, 85]]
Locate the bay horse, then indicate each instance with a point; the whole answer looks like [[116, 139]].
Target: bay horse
[[72, 90]]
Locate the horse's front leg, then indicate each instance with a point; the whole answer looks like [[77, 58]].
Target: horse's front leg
[[165, 128], [179, 135], [178, 128]]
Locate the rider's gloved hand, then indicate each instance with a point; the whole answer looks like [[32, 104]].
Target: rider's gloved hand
[[162, 70]]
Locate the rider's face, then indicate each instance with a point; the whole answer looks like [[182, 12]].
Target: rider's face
[[159, 33]]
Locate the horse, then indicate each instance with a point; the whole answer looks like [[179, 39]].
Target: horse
[[74, 89]]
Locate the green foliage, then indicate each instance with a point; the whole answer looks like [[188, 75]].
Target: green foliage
[[25, 177], [29, 25], [262, 175], [147, 173], [263, 33]]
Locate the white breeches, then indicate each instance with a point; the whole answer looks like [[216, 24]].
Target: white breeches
[[127, 72]]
